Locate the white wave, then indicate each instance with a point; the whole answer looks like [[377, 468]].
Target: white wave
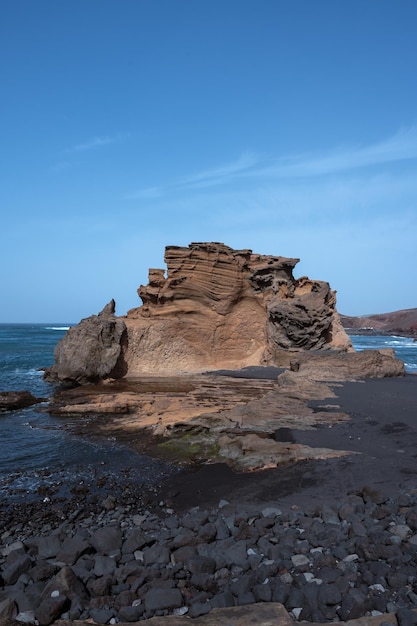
[[57, 327], [30, 372]]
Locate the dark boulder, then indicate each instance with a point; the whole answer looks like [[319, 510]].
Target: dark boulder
[[90, 351], [14, 400]]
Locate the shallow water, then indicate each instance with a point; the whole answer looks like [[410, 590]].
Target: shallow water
[[35, 449]]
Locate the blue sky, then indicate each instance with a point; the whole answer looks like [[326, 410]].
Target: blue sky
[[284, 126]]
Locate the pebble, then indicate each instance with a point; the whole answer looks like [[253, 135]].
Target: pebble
[[354, 559]]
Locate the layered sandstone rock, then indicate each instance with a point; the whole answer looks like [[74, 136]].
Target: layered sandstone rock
[[214, 308]]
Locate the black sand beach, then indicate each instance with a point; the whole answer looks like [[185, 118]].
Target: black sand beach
[[326, 540], [382, 435]]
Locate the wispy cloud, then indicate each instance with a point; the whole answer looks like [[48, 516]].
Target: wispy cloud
[[98, 142], [205, 178], [250, 167], [245, 163], [401, 146]]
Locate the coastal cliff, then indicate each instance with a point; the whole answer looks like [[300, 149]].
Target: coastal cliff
[[213, 308], [402, 322]]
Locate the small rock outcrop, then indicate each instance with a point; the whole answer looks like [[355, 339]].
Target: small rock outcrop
[[347, 367], [15, 400], [214, 308], [90, 351]]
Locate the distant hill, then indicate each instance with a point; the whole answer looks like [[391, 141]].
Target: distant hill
[[396, 323]]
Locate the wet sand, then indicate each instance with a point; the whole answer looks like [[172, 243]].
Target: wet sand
[[382, 435]]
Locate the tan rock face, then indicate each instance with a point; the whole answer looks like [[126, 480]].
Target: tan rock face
[[222, 308], [214, 308]]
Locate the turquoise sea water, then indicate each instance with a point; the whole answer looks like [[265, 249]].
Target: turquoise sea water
[[33, 445]]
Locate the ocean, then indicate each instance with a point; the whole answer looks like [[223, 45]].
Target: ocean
[[37, 452]]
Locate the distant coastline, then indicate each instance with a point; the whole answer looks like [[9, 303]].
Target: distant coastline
[[402, 323]]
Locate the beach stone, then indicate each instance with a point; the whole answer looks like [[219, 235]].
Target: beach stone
[[8, 608], [66, 582], [16, 545], [222, 530], [201, 565], [396, 580], [130, 613], [25, 617], [194, 519], [207, 532], [329, 515], [372, 494], [406, 617], [222, 600], [184, 554], [27, 597], [43, 570], [204, 582], [271, 511], [156, 554], [198, 609], [329, 594], [354, 605], [235, 553], [71, 550], [160, 599], [135, 540], [51, 609], [100, 586], [300, 560], [184, 538], [103, 565], [102, 616], [106, 539], [400, 530], [18, 563], [262, 592], [47, 547]]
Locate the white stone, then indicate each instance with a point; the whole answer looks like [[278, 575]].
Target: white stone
[[181, 611], [401, 530], [271, 511], [350, 558], [299, 560], [286, 578], [27, 617], [377, 587]]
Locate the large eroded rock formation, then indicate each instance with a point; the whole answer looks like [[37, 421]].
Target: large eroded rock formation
[[214, 308]]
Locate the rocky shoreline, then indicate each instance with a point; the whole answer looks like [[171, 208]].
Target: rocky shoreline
[[118, 562], [342, 548]]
